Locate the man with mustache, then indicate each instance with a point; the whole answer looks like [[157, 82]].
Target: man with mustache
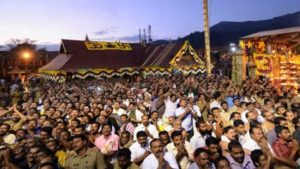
[[159, 159], [285, 147], [181, 149], [237, 157]]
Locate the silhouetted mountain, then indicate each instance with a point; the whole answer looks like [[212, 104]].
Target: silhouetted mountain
[[224, 33]]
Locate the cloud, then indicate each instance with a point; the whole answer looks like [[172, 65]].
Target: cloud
[[104, 32], [132, 38]]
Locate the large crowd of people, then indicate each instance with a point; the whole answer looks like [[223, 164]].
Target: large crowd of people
[[177, 122]]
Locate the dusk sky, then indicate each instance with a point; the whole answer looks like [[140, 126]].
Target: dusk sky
[[48, 21]]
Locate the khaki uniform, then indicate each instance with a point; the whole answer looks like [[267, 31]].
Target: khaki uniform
[[92, 159]]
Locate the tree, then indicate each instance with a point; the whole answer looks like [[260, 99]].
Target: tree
[[17, 47]]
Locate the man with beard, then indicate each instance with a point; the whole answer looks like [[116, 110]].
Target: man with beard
[[31, 127], [198, 140], [285, 148], [201, 159], [140, 148], [181, 149], [213, 148], [7, 137], [94, 132], [124, 162], [237, 157], [159, 158], [84, 156], [241, 132]]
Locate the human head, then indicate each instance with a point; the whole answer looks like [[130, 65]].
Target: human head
[[229, 132], [142, 138], [239, 126], [4, 128], [258, 158], [79, 142], [201, 157], [236, 151], [125, 137], [256, 133], [222, 163], [124, 156], [106, 129], [283, 133], [156, 147], [280, 121], [268, 115], [296, 122], [177, 138], [201, 126], [164, 137], [212, 146]]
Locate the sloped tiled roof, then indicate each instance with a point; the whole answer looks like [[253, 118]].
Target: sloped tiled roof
[[75, 55]]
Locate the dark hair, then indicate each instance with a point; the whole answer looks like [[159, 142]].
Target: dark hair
[[163, 133], [255, 154], [234, 144], [278, 120], [296, 120], [141, 134], [234, 113], [198, 151], [176, 133], [252, 128], [124, 152], [224, 102], [279, 129], [211, 140], [248, 104], [213, 109], [48, 130], [7, 125], [217, 94], [81, 136], [126, 132], [124, 115], [226, 129], [263, 113], [236, 99], [238, 122], [200, 121], [219, 159]]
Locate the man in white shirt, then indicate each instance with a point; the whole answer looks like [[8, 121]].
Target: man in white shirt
[[140, 149], [198, 140], [117, 110], [257, 138], [217, 100], [171, 104], [185, 113], [159, 159], [181, 149], [147, 127]]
